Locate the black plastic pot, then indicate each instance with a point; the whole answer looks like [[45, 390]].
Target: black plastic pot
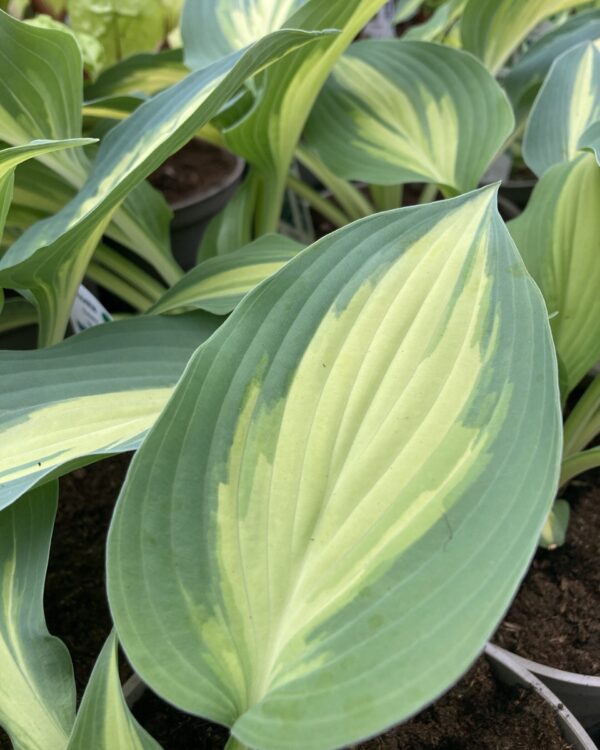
[[517, 192], [512, 669], [192, 215], [580, 693], [20, 339]]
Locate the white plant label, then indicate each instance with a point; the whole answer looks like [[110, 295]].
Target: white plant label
[[87, 311]]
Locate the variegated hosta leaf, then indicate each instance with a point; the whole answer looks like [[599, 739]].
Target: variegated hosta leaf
[[94, 394], [104, 721], [440, 21], [41, 98], [144, 73], [336, 506], [51, 257], [527, 75], [395, 111], [493, 29], [232, 227], [219, 284], [37, 690], [212, 29], [568, 102], [558, 237], [10, 158], [37, 186], [590, 140], [268, 135]]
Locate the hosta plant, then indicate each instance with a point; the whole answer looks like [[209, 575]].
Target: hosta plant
[[346, 448]]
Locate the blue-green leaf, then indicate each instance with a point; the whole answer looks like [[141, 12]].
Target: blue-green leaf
[[336, 506]]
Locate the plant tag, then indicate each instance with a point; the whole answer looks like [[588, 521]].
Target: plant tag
[[87, 311]]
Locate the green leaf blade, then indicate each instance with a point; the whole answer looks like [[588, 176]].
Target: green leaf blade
[[567, 103], [94, 394], [400, 111], [217, 285], [344, 467], [42, 98], [557, 235], [51, 257], [493, 29], [528, 73], [213, 30], [37, 690], [104, 721]]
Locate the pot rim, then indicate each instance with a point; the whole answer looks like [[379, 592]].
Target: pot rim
[[539, 668], [238, 166], [507, 662]]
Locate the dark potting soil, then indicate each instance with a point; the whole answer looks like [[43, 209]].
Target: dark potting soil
[[555, 618], [479, 713], [75, 596], [197, 169]]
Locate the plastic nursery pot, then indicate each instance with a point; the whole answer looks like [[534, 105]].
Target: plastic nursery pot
[[19, 339], [198, 182], [517, 191], [581, 693], [513, 669]]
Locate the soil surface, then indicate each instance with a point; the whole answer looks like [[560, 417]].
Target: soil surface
[[197, 169], [478, 714], [75, 597], [555, 618]]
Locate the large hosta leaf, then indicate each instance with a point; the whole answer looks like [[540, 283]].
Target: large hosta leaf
[[527, 75], [218, 284], [557, 236], [212, 29], [568, 102], [37, 690], [51, 257], [493, 29], [104, 721], [41, 97], [336, 506], [139, 74], [94, 394], [396, 111]]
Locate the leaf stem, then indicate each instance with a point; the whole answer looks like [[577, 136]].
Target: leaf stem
[[269, 204], [118, 286], [330, 212], [428, 193], [578, 463], [583, 423], [130, 272], [17, 312], [352, 201], [386, 197]]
